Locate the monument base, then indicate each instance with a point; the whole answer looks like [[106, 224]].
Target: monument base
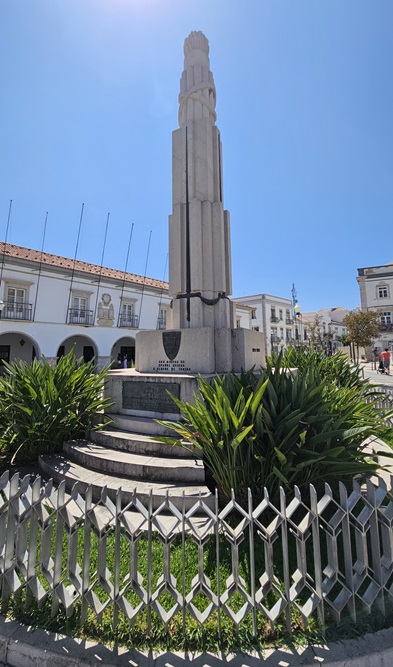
[[148, 394], [205, 350]]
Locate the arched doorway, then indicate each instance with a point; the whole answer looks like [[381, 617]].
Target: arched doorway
[[16, 345], [83, 347], [123, 347]]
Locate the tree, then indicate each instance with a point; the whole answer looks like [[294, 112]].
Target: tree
[[363, 327], [313, 332]]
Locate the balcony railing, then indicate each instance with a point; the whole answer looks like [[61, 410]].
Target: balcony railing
[[129, 321], [273, 318], [80, 316], [17, 311], [161, 323], [288, 320], [275, 339], [386, 327]]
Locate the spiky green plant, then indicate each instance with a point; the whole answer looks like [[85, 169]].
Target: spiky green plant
[[42, 405], [337, 368], [281, 428]]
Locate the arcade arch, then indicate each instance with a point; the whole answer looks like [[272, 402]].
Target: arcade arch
[[18, 345], [83, 346], [123, 346]]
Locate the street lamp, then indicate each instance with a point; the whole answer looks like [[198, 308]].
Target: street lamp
[[298, 316]]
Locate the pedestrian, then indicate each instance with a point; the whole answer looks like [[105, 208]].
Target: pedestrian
[[119, 361], [125, 361], [385, 358]]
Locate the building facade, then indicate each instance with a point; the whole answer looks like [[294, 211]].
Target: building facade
[[51, 304], [272, 315], [376, 293], [330, 329]]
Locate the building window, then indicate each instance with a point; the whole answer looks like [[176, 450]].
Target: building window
[[273, 316], [280, 314], [161, 320], [282, 334], [386, 317], [79, 312], [383, 292], [16, 306], [255, 328], [238, 324], [254, 314], [288, 335], [127, 315]]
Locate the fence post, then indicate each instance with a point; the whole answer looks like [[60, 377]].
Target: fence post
[[316, 543], [347, 547], [285, 558], [252, 563], [116, 562], [11, 532]]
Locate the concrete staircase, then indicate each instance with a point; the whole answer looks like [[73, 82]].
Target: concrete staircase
[[125, 455]]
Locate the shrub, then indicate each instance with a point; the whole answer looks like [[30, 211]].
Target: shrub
[[41, 405], [337, 368], [281, 428]]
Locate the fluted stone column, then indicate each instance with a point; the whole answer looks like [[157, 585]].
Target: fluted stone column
[[197, 163]]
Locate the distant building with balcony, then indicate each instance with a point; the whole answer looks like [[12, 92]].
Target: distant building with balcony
[[376, 293], [272, 315], [51, 304], [330, 330]]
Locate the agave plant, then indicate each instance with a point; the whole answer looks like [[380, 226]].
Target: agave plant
[[280, 428], [42, 405]]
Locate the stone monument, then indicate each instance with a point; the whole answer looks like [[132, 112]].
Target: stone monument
[[201, 336]]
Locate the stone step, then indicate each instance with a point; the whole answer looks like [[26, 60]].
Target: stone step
[[137, 466], [142, 425], [138, 443], [59, 467]]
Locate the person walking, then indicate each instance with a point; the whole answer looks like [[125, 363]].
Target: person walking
[[385, 358]]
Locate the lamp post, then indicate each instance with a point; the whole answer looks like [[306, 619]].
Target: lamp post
[[298, 317]]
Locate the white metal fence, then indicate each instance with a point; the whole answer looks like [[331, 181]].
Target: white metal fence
[[308, 555]]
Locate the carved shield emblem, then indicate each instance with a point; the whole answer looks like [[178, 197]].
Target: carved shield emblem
[[171, 341]]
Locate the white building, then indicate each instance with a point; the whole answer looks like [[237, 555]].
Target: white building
[[273, 316], [52, 303], [376, 293], [331, 326]]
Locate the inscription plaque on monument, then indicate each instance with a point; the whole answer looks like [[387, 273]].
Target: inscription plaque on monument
[[150, 396]]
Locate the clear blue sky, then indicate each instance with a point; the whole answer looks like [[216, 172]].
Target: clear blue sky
[[305, 107]]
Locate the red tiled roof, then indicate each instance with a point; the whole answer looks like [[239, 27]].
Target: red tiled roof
[[18, 252]]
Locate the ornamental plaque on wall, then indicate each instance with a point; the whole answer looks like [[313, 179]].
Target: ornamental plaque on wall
[[106, 313]]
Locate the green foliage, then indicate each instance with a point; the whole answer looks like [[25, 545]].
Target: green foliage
[[363, 327], [337, 368], [282, 428], [41, 405]]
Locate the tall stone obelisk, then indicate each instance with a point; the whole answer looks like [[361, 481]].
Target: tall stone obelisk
[[202, 337], [200, 279]]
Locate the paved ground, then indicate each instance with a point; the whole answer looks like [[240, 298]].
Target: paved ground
[[377, 378]]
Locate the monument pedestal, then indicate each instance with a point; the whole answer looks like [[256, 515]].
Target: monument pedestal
[[146, 394], [194, 351]]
